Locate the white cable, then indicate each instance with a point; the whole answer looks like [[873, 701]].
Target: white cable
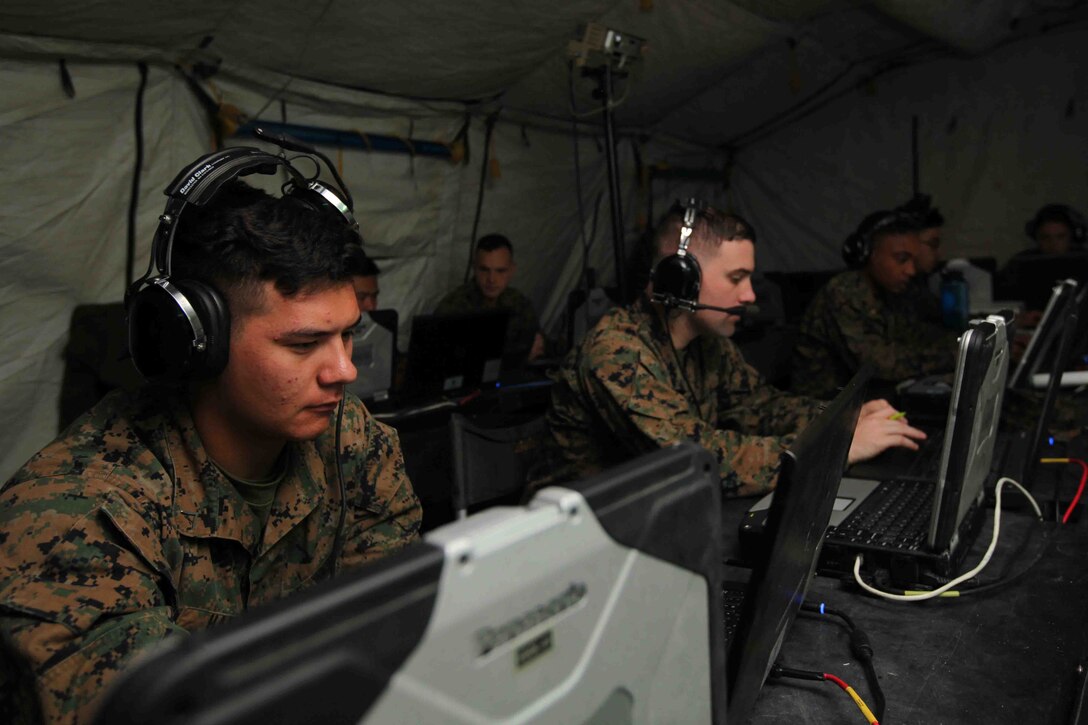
[[963, 577]]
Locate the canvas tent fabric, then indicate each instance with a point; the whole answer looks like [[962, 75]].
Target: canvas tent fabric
[[998, 89]]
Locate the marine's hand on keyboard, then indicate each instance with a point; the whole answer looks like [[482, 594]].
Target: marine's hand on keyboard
[[876, 432]]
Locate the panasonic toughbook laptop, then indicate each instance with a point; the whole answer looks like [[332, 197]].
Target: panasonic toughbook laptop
[[911, 527], [597, 603], [793, 532]]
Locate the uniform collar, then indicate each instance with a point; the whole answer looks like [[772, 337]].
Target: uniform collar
[[208, 505]]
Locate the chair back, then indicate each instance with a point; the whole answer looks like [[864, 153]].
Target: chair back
[[491, 457]]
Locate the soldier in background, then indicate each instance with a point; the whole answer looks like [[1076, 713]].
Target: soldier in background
[[647, 377], [858, 317], [489, 289], [919, 298], [182, 505], [364, 278]]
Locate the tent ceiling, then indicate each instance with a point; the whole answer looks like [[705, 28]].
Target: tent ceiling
[[712, 69]]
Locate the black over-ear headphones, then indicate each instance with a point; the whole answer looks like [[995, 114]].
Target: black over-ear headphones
[[1058, 213], [858, 247], [677, 278], [180, 328]]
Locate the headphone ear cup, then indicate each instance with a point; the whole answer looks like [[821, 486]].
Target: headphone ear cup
[[679, 277], [215, 316], [855, 250], [160, 331]]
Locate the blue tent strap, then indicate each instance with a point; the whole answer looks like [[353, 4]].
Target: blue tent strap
[[351, 139]]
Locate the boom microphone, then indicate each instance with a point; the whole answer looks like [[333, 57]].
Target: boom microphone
[[741, 310]]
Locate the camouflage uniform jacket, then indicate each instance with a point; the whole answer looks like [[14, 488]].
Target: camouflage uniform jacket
[[521, 328], [848, 324], [621, 393], [122, 531]]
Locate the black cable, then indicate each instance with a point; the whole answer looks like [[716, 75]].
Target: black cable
[[489, 128], [581, 209], [134, 198], [337, 539], [1003, 581], [862, 649]]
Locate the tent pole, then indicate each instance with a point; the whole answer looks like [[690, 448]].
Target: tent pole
[[604, 92]]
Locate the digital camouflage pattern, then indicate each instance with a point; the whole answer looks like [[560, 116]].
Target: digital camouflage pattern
[[521, 328], [622, 393], [848, 324], [122, 531]]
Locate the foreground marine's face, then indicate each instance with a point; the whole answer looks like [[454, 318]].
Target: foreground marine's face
[[726, 282], [289, 362]]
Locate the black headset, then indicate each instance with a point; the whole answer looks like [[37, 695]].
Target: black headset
[[858, 247], [678, 277], [180, 328], [1058, 213]]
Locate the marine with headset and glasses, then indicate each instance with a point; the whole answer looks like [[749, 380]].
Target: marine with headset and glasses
[[860, 317], [1056, 229], [664, 370], [240, 474], [919, 299]]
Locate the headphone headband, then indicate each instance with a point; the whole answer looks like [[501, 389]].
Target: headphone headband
[[181, 328]]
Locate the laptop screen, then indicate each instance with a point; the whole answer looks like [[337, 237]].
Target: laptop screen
[[1044, 340], [455, 352], [796, 522], [584, 607], [971, 430]]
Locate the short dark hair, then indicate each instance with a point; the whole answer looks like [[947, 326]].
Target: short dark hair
[[921, 206], [881, 224], [491, 242], [360, 265], [712, 226], [243, 237]]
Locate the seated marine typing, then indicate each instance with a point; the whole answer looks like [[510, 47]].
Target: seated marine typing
[[861, 315], [653, 374], [241, 474]]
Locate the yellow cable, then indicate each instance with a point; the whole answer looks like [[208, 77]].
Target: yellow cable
[[862, 706]]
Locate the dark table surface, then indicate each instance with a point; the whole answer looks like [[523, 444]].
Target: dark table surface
[[1010, 656]]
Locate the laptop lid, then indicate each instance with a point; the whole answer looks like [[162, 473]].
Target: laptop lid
[[977, 392], [584, 607], [796, 522], [373, 352], [1062, 299], [448, 353]]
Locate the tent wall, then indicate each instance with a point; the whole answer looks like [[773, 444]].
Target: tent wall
[[1000, 135]]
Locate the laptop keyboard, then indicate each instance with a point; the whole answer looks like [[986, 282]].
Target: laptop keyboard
[[896, 515], [732, 599]]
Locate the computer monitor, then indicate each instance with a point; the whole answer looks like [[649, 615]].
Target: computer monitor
[[450, 353], [373, 352], [597, 603], [1031, 276], [794, 529]]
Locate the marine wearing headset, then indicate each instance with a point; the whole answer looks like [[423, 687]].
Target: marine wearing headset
[[664, 369], [241, 474], [859, 316]]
